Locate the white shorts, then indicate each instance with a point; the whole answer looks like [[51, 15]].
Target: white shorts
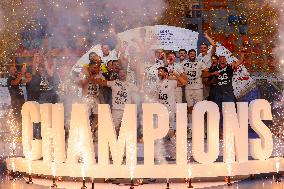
[[117, 117], [193, 96], [178, 95]]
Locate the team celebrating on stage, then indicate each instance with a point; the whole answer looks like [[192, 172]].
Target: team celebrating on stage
[[133, 76]]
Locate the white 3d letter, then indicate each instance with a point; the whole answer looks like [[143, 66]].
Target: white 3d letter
[[198, 149], [260, 148], [151, 133], [80, 143], [52, 132], [235, 130], [181, 134], [108, 138], [30, 114]]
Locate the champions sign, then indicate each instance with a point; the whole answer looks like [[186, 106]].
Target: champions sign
[[117, 155]]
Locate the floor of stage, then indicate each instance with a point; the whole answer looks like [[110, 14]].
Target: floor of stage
[[259, 183]]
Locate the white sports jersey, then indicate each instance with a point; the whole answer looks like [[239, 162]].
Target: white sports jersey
[[177, 67], [166, 96], [91, 95], [151, 78], [112, 56], [206, 60], [193, 71], [122, 92], [92, 90]]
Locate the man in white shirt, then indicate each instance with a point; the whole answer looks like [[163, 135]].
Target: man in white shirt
[[173, 66], [153, 62], [166, 96], [205, 53], [122, 93], [194, 87], [165, 88], [205, 57], [91, 91], [107, 54]]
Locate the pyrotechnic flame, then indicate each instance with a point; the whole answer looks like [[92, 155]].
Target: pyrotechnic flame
[[277, 166], [53, 167], [132, 158], [189, 173], [29, 157], [13, 166]]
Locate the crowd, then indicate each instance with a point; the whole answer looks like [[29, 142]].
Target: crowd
[[133, 75]]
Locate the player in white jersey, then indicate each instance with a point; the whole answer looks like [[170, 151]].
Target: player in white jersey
[[91, 90], [165, 88], [151, 75], [107, 54], [173, 66], [122, 93], [205, 53], [194, 87], [205, 57], [166, 96]]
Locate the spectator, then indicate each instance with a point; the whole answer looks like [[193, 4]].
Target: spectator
[[14, 82]]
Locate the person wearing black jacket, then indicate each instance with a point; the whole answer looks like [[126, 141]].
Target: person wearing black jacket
[[14, 82], [210, 79]]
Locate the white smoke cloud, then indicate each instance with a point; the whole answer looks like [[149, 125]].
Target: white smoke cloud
[[96, 17], [1, 20], [279, 49]]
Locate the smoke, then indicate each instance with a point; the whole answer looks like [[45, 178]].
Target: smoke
[[70, 24], [278, 129], [1, 20], [278, 51], [72, 21]]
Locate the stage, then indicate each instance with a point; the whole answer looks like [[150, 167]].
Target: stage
[[257, 183]]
